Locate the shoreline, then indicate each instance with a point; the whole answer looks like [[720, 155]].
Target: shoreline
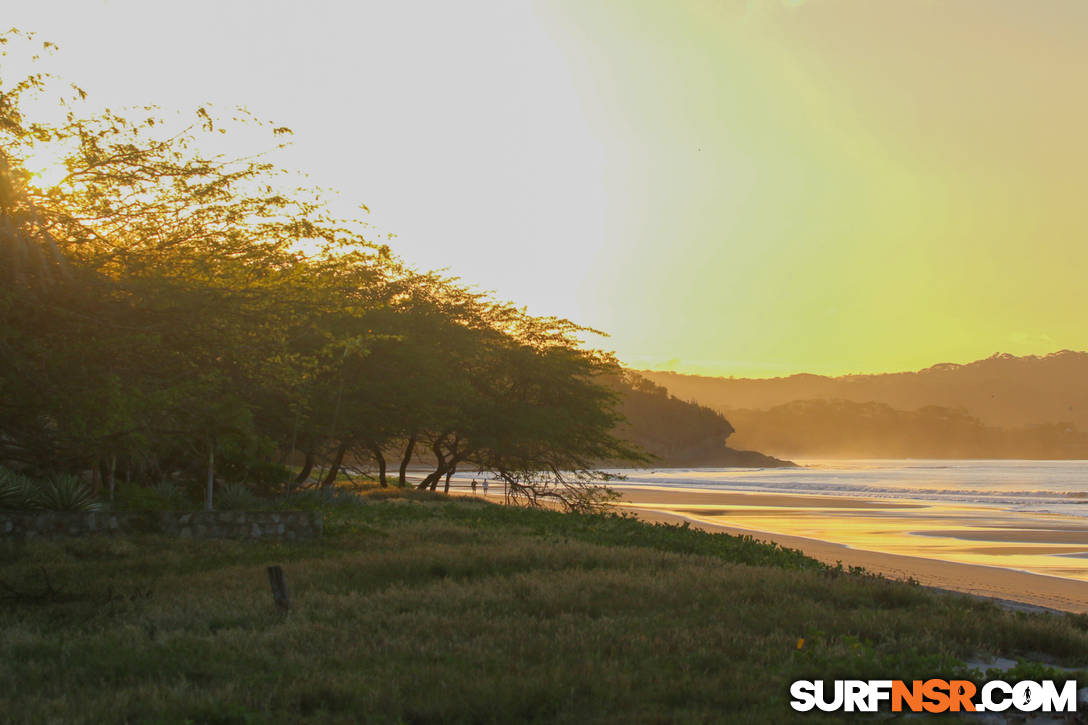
[[1009, 587]]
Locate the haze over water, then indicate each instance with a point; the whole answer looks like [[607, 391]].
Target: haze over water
[[1029, 515]]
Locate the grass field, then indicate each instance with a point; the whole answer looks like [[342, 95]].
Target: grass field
[[440, 610]]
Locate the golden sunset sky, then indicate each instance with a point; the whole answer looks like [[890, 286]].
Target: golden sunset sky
[[733, 187]]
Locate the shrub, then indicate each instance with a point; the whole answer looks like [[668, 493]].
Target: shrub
[[236, 497], [14, 491], [268, 478], [161, 496], [62, 493], [170, 495]]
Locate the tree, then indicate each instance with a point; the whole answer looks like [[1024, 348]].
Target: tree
[[169, 305]]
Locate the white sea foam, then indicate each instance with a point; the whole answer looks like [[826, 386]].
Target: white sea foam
[[1059, 487]]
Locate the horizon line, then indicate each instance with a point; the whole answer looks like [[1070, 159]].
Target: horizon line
[[945, 364]]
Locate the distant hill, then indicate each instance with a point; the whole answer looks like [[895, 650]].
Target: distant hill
[[1000, 407], [846, 429], [1003, 390]]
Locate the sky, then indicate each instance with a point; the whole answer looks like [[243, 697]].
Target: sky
[[736, 187]]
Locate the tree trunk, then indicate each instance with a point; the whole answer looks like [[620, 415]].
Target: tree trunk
[[380, 458], [402, 481], [431, 477], [211, 476], [431, 481], [294, 441], [307, 467], [449, 473], [334, 467], [113, 474]]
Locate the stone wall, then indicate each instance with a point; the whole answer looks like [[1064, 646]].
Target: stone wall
[[285, 525]]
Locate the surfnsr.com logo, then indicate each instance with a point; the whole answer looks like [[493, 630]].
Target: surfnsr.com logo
[[933, 696]]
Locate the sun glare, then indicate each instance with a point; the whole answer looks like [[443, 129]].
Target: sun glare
[[45, 162]]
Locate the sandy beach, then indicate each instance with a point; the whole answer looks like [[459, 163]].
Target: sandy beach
[[779, 518]]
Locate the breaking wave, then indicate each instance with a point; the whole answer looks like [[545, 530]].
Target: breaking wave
[[1041, 486]]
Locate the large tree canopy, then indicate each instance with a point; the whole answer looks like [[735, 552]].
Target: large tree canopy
[[175, 313]]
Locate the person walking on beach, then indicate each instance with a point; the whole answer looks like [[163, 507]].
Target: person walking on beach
[[474, 487], [485, 487]]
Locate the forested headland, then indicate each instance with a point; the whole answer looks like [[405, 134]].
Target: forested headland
[[680, 433], [173, 315]]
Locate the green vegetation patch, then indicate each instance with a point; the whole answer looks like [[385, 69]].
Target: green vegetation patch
[[461, 611]]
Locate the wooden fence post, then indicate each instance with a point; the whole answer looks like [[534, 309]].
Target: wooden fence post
[[279, 588]]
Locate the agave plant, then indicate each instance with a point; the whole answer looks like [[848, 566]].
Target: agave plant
[[14, 491], [63, 493], [236, 497], [170, 495]]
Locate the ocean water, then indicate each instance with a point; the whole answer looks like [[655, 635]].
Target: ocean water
[[1024, 515], [1042, 487]]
